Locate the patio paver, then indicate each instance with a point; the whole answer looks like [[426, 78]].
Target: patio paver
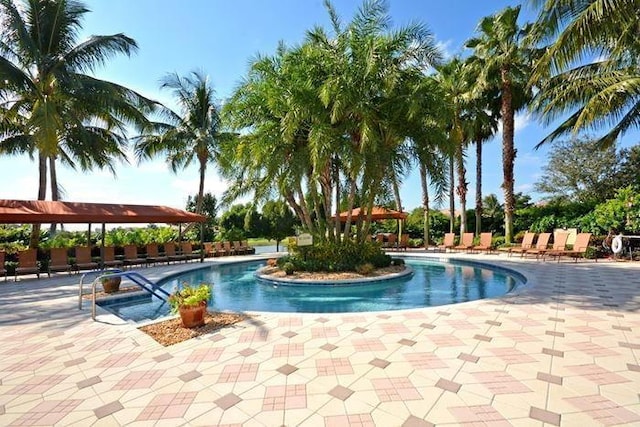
[[562, 350]]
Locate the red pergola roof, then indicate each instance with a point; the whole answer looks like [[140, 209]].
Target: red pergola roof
[[46, 212], [377, 213]]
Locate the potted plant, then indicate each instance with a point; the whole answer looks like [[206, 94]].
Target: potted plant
[[191, 303], [110, 283]]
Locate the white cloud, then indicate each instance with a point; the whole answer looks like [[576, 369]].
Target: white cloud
[[445, 48]]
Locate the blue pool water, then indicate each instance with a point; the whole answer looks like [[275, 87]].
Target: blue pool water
[[235, 289]]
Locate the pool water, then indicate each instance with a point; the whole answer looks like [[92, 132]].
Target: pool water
[[236, 289]]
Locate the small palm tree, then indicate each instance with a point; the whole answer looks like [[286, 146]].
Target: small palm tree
[[194, 134]]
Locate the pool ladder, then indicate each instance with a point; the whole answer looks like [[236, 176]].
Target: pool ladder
[[135, 277]]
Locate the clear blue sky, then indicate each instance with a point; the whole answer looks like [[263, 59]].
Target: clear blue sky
[[221, 37]]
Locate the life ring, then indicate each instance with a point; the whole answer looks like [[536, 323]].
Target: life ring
[[616, 245]]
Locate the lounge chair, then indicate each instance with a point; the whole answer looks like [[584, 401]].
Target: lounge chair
[[466, 242], [170, 250], [485, 243], [59, 261], [404, 242], [208, 249], [542, 245], [559, 244], [27, 263], [187, 251], [527, 243], [3, 270], [131, 256], [109, 257], [83, 259], [249, 249], [237, 248], [220, 249], [228, 249], [448, 243], [579, 248], [391, 241], [153, 254]]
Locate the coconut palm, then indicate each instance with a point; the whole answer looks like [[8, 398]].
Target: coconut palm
[[591, 70], [504, 64], [51, 108], [193, 135]]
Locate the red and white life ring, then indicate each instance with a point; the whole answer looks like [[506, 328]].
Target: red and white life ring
[[616, 244]]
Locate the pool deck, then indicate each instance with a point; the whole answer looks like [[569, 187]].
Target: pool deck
[[562, 350]]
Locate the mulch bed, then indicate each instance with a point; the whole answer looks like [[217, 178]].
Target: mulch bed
[[171, 331], [276, 272]]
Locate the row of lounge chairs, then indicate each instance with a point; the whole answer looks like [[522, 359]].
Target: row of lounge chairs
[[557, 250], [541, 249], [466, 243], [59, 260], [391, 242]]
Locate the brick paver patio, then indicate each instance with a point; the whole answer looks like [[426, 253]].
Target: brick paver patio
[[562, 350]]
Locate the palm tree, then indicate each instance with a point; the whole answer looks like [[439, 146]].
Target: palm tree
[[194, 134], [329, 117], [454, 84], [504, 64], [596, 93], [51, 108]]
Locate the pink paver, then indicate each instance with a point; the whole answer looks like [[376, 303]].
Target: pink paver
[[169, 405], [139, 379], [392, 389], [334, 366], [425, 361], [238, 373], [205, 355]]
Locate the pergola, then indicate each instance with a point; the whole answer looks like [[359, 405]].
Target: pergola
[[378, 213], [47, 212]]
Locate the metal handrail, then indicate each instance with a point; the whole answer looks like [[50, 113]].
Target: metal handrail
[[135, 277]]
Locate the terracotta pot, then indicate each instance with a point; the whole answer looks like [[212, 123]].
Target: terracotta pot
[[193, 316], [111, 284]]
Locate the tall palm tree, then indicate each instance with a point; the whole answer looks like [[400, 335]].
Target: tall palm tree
[[193, 135], [590, 70], [455, 86], [52, 109], [500, 54]]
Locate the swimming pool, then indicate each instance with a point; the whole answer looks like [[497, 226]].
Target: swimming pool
[[235, 289]]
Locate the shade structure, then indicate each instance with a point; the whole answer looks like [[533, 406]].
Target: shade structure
[[378, 213], [47, 212]]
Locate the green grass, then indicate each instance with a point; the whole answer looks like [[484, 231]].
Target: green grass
[[263, 242]]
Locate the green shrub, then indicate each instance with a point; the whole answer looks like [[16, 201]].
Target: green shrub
[[365, 269], [497, 241], [397, 261], [343, 256], [288, 268]]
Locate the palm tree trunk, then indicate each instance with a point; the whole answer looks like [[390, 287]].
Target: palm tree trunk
[[396, 193], [336, 181], [34, 240], [462, 190], [452, 201], [203, 169], [425, 204], [508, 155], [478, 187], [350, 200], [55, 190]]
